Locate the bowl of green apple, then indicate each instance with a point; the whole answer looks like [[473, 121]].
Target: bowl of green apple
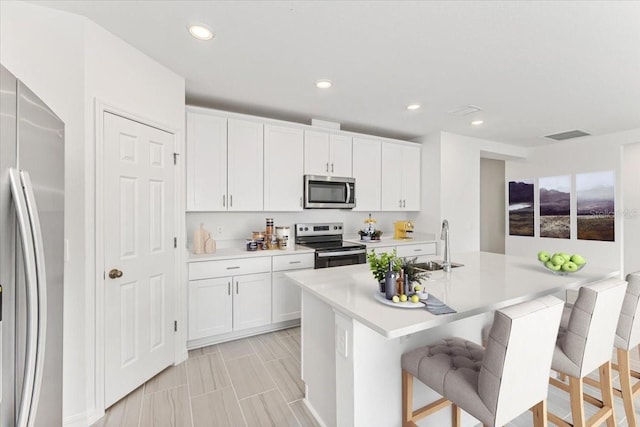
[[561, 263]]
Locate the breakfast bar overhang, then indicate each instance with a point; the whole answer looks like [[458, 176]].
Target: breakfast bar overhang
[[352, 344]]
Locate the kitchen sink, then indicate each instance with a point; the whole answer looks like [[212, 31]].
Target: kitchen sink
[[434, 265]]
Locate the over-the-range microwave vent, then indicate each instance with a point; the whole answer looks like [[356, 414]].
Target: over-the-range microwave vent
[[567, 135]]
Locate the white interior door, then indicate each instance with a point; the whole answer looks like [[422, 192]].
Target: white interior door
[[138, 253]]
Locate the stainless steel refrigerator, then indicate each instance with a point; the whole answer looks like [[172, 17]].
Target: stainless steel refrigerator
[[31, 257]]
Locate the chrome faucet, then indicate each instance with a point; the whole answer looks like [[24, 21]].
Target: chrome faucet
[[444, 235]]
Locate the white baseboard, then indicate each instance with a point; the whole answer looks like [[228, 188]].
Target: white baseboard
[[77, 420], [313, 412]]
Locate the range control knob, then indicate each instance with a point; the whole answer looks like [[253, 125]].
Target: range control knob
[[300, 229], [306, 229], [340, 227], [335, 227]]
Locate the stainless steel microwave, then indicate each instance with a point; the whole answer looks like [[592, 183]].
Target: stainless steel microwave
[[329, 192]]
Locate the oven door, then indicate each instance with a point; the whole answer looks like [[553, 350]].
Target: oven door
[[326, 192], [333, 258]]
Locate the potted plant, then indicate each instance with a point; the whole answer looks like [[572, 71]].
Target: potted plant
[[414, 274], [366, 235], [379, 265]]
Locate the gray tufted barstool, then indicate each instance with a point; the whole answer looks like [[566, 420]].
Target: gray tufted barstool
[[494, 385], [584, 345], [627, 339]]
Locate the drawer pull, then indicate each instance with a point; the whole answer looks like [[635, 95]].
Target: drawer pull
[[295, 262], [417, 250], [233, 268]]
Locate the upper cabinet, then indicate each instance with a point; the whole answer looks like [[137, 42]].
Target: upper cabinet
[[206, 162], [327, 154], [366, 170], [224, 163], [245, 149], [283, 160], [400, 177]]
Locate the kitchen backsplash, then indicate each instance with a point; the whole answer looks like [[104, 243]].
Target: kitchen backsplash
[[229, 227]]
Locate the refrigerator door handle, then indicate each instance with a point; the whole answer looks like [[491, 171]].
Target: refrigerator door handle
[[28, 252], [41, 280]]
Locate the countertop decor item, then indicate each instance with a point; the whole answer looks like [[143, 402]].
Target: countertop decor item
[[562, 263], [369, 232], [379, 264]]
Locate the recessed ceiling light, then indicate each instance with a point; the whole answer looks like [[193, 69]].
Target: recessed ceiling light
[[323, 84], [200, 32], [477, 122], [413, 106]]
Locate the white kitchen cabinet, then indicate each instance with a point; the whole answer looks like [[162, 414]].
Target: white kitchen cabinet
[[245, 147], [251, 301], [421, 251], [285, 293], [206, 162], [327, 154], [224, 164], [283, 168], [366, 170], [210, 307], [228, 295], [400, 177]]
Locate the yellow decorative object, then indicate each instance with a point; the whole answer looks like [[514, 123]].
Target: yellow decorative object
[[402, 230]]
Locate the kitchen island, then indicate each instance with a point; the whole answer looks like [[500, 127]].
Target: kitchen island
[[352, 344]]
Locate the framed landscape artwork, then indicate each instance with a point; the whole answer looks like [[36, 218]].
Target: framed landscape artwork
[[595, 193], [555, 206], [521, 208]]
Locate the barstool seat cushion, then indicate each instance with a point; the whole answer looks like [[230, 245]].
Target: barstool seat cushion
[[451, 367]]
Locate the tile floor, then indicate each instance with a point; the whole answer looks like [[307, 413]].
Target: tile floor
[[256, 382], [249, 382]]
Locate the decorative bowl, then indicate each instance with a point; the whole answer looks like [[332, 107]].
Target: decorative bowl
[[562, 272]]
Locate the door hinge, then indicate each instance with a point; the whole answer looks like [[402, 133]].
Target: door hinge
[[175, 158], [175, 242], [175, 326]]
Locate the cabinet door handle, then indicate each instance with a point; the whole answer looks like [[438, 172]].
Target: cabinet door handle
[[235, 267], [417, 250], [237, 287], [224, 200], [295, 262], [231, 200], [331, 167], [404, 203], [326, 168], [400, 203], [228, 288], [300, 201]]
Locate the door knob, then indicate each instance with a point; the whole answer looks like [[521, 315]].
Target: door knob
[[115, 273]]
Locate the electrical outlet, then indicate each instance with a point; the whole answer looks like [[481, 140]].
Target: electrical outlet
[[219, 230]]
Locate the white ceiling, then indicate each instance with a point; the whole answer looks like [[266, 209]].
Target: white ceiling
[[534, 67]]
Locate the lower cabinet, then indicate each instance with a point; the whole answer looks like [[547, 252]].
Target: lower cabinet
[[418, 250], [251, 301], [210, 307], [286, 294]]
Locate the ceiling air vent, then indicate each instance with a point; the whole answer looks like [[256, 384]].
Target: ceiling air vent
[[464, 110], [567, 135]]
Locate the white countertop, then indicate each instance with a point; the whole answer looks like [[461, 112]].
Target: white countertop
[[486, 282], [388, 240], [241, 252]]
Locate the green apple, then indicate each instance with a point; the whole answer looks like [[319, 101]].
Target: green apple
[[578, 260], [569, 266], [551, 266], [417, 288], [395, 298], [558, 259], [566, 256], [403, 298], [415, 298], [544, 256]]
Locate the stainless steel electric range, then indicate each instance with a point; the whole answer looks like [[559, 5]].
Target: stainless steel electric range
[[331, 250]]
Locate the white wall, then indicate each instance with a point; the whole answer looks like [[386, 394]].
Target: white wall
[[492, 206], [239, 225], [69, 62], [631, 203], [588, 154], [451, 167]]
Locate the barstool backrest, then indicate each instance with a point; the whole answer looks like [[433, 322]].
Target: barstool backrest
[[515, 369], [628, 332], [592, 325]]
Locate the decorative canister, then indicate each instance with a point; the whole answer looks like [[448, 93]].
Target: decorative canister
[[252, 245], [272, 241], [282, 234], [269, 229], [258, 236]]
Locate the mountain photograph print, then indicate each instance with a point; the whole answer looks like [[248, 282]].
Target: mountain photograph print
[[555, 206], [595, 193], [521, 208]]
